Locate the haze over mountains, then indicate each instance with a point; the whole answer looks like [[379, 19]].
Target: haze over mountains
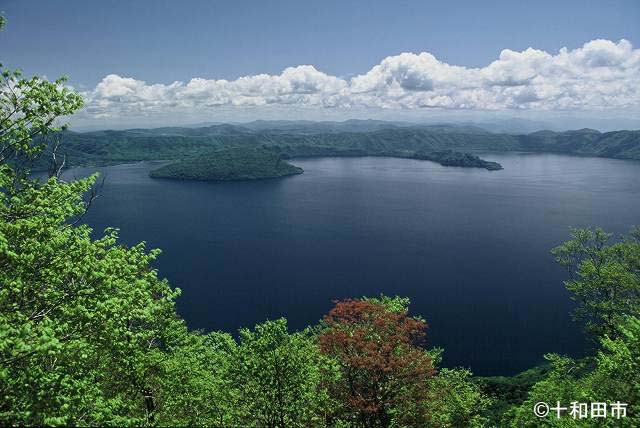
[[506, 126], [499, 124]]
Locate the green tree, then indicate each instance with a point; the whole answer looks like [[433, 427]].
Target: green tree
[[86, 325], [612, 375], [604, 278], [195, 388], [618, 368], [454, 400], [81, 319], [277, 376]]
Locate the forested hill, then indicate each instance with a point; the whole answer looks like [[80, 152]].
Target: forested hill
[[300, 139], [617, 144], [228, 165]]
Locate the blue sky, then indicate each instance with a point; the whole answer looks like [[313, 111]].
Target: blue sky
[[161, 42]]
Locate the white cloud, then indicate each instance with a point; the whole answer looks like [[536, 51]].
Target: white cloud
[[600, 75]]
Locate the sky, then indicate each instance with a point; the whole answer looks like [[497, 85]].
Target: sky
[[156, 63]]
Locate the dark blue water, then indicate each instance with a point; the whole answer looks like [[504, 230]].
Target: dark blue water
[[468, 246]]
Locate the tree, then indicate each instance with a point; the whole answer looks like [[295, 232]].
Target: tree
[[29, 110], [380, 361], [612, 376], [277, 376], [604, 278], [85, 324], [82, 320], [452, 400], [618, 368], [196, 388]]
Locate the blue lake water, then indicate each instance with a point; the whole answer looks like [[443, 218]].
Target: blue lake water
[[468, 246]]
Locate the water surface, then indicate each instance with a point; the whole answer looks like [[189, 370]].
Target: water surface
[[468, 246]]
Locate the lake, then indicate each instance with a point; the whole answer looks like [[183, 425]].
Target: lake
[[471, 248]]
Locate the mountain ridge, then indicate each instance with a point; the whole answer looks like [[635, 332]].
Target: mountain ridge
[[110, 147]]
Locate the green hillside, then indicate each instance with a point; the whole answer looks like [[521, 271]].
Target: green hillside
[[112, 147]]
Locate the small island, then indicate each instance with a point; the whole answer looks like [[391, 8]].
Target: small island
[[228, 165]]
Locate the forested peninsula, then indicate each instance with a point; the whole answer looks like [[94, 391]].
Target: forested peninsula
[[228, 165], [256, 164]]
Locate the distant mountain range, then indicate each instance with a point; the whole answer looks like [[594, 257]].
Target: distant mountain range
[[307, 127], [348, 138], [497, 124]]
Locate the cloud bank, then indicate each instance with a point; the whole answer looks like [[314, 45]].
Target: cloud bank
[[600, 75]]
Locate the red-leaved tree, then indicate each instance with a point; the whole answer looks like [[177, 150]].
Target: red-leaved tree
[[380, 360]]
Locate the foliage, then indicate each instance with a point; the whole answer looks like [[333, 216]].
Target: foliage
[[195, 388], [509, 391], [29, 109], [227, 165], [380, 362], [277, 377], [81, 320], [605, 279], [85, 324], [618, 372], [605, 282], [453, 400], [612, 376], [396, 304]]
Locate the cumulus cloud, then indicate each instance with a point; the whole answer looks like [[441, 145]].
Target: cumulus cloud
[[600, 75]]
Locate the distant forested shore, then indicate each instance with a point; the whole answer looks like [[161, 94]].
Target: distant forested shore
[[449, 145]]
